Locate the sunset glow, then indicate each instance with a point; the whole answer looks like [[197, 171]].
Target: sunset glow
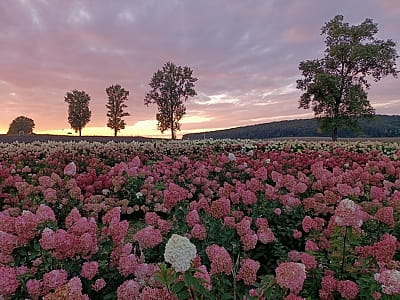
[[245, 57]]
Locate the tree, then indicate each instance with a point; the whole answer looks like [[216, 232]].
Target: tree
[[78, 109], [116, 98], [21, 126], [336, 85], [169, 87]]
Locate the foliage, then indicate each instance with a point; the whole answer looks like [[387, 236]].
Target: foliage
[[378, 126], [169, 87], [116, 105], [21, 126], [78, 109], [335, 86]]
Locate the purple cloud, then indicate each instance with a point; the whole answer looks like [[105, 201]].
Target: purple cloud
[[246, 55]]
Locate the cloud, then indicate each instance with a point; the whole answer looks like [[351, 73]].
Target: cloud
[[245, 56]]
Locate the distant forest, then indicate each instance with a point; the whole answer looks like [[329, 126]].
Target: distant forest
[[379, 126]]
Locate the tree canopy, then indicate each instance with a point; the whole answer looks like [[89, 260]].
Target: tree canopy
[[116, 105], [78, 109], [21, 126], [336, 86], [170, 86]]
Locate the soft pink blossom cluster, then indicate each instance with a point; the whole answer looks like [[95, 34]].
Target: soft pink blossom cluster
[[221, 261], [291, 275]]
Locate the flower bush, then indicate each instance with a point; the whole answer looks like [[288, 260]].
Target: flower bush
[[200, 220]]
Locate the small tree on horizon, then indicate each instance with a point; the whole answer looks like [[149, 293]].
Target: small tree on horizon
[[169, 87], [78, 109], [21, 126], [335, 86], [116, 105]]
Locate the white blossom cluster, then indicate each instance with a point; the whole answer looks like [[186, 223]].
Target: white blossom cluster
[[179, 252]]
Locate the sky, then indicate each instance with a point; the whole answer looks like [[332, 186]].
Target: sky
[[245, 54]]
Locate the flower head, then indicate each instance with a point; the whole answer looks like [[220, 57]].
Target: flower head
[[179, 252], [70, 169], [291, 275], [348, 213]]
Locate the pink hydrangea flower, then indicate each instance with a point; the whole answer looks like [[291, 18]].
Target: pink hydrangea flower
[[7, 222], [149, 293], [202, 273], [265, 235], [70, 169], [308, 260], [220, 208], [348, 213], [329, 283], [248, 271], [45, 213], [34, 288], [151, 218], [385, 215], [114, 213], [243, 227], [8, 242], [89, 269], [26, 226], [118, 230], [307, 224], [148, 237], [199, 232], [297, 234], [8, 280], [221, 261], [164, 226], [54, 279], [127, 264], [173, 195], [291, 275], [128, 290], [99, 284], [311, 246], [348, 289], [292, 296], [249, 241], [390, 281], [248, 197], [192, 218]]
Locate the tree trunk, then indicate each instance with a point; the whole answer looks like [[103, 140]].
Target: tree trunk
[[80, 131], [115, 132], [334, 133], [173, 137]]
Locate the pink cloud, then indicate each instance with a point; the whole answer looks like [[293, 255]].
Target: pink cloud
[[249, 53]]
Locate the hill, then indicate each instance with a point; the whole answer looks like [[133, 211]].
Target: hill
[[380, 126]]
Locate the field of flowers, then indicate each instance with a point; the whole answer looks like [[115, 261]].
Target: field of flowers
[[206, 220]]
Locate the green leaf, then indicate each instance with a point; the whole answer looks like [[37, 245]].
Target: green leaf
[[177, 287], [184, 295]]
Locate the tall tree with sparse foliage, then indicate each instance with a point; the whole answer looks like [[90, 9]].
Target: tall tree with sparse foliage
[[21, 126], [336, 86], [116, 105], [169, 87], [78, 109]]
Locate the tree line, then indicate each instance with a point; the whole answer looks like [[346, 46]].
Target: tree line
[[170, 86], [334, 87], [378, 126]]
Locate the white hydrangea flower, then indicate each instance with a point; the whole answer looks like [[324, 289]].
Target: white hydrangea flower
[[179, 252], [231, 157]]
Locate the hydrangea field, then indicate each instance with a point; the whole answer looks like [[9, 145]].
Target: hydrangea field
[[200, 220]]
